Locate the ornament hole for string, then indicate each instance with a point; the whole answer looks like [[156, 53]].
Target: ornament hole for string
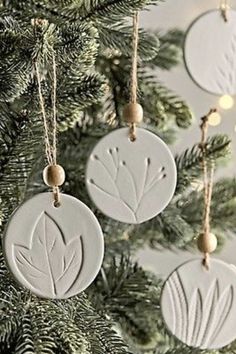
[[56, 197], [132, 138], [56, 204], [224, 9], [132, 133], [206, 265]]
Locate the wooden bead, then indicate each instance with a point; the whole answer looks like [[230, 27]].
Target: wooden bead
[[54, 175], [207, 243], [133, 113]]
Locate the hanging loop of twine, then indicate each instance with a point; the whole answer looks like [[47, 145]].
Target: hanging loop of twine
[[48, 152], [224, 8], [50, 137], [206, 260], [134, 71], [54, 104], [50, 125], [208, 175], [134, 67]]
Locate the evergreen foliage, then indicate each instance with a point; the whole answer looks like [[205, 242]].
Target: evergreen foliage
[[120, 312]]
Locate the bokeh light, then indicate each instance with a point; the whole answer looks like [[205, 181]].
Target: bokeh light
[[214, 119], [226, 102]]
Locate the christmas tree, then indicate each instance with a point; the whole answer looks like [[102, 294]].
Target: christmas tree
[[120, 312]]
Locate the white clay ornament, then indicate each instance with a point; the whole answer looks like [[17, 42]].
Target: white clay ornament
[[131, 181], [55, 252], [210, 52], [198, 305]]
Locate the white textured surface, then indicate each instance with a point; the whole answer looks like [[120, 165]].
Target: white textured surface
[[210, 52], [199, 305], [54, 252], [131, 181]]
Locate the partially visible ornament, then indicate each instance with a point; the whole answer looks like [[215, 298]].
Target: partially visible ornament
[[55, 252], [131, 181], [210, 52], [199, 305]]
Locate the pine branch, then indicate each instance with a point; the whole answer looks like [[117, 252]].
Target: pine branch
[[102, 338], [20, 148], [32, 338], [11, 311], [189, 163], [118, 37], [77, 44], [171, 229], [61, 11], [14, 80], [170, 51], [116, 8], [223, 205], [44, 326], [80, 91], [61, 328], [167, 230], [131, 297], [162, 107]]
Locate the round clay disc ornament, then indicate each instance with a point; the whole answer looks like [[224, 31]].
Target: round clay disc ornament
[[210, 52], [54, 252], [199, 305], [131, 181]]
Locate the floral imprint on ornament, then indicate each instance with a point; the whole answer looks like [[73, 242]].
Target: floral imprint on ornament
[[49, 261], [123, 185], [198, 320]]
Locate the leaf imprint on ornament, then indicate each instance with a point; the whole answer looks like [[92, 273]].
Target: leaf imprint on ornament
[[227, 69], [198, 321], [121, 183], [48, 262], [178, 292]]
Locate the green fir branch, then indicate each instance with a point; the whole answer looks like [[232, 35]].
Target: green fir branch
[[18, 158], [189, 163], [131, 297], [170, 51]]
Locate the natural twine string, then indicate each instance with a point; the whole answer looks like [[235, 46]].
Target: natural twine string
[[208, 174], [54, 103], [48, 151], [134, 66], [134, 71], [50, 134], [224, 8]]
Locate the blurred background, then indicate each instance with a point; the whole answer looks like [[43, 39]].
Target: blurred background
[[180, 14]]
